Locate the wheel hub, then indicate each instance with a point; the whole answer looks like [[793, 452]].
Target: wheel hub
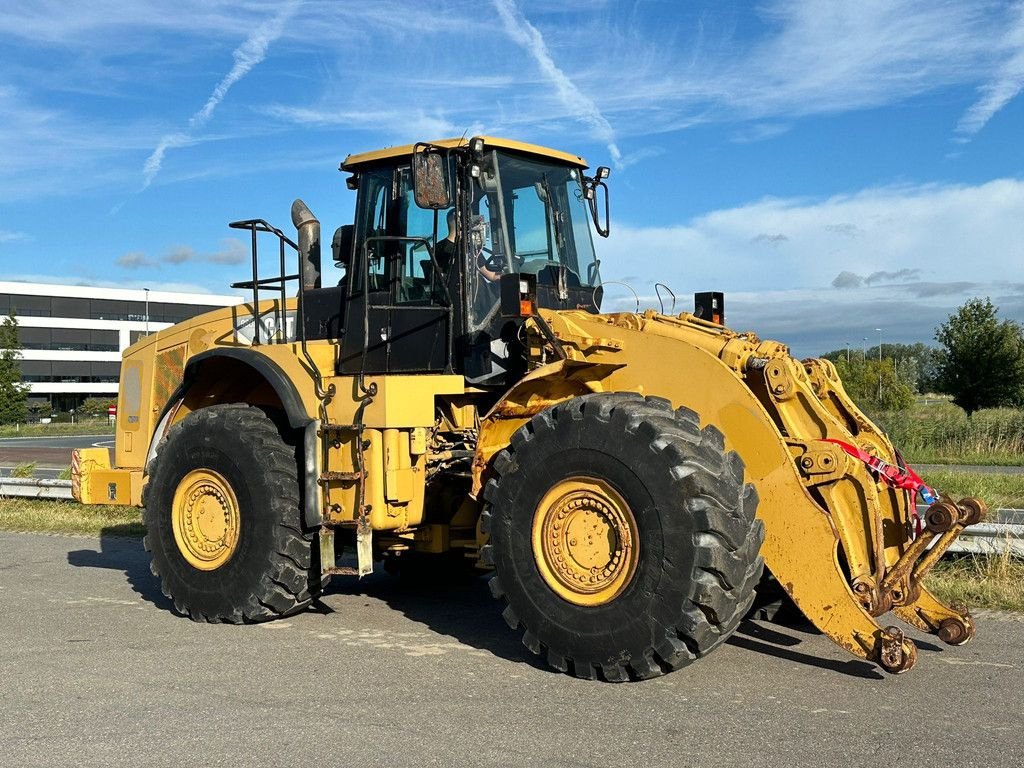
[[585, 541], [205, 519]]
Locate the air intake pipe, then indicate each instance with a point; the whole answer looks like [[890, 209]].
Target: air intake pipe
[[309, 245]]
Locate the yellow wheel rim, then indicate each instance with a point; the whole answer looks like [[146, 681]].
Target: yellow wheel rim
[[204, 517], [585, 541]]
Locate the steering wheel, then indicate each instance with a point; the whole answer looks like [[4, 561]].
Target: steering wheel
[[493, 261]]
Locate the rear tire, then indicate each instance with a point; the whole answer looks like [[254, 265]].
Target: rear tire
[[652, 506], [223, 519]]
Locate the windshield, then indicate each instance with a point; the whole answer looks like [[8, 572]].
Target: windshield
[[530, 217]]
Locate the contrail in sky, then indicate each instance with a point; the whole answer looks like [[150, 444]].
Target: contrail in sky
[[1007, 84], [530, 38], [247, 55]]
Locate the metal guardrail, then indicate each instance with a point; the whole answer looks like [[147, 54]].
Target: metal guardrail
[[35, 488], [1003, 532], [991, 539], [1008, 516]]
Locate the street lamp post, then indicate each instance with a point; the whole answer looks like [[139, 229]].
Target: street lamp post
[[147, 310], [847, 353], [879, 365]]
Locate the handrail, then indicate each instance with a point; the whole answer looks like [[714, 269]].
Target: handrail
[[255, 226]]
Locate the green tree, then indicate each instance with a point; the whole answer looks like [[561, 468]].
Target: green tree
[[861, 379], [96, 406], [914, 363], [982, 359], [40, 409], [13, 394]]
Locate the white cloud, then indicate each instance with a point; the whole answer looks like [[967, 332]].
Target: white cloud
[[77, 24], [233, 251], [1007, 83], [530, 38], [154, 162], [813, 322], [46, 150], [917, 253], [170, 286], [778, 243], [795, 58], [250, 53], [7, 236], [759, 132], [134, 260], [623, 69], [407, 124]]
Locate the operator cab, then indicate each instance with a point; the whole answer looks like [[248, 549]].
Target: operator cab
[[421, 298]]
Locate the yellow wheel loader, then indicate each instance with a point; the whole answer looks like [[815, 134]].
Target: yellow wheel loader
[[458, 403]]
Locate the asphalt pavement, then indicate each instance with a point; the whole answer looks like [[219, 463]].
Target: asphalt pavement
[[57, 441], [96, 670], [49, 454]]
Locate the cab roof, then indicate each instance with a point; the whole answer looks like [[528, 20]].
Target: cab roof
[[354, 162]]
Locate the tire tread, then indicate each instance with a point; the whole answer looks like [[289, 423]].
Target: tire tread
[[291, 578], [727, 538]]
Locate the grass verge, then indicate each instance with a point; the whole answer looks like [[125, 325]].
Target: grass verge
[[52, 516], [998, 491], [25, 469], [49, 430], [943, 434], [980, 581]]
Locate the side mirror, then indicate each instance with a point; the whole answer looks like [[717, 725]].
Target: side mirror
[[430, 185], [592, 188], [341, 245]]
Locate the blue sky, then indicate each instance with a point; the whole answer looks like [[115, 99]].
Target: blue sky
[[834, 167]]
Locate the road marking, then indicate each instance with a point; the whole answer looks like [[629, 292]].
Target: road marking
[[102, 443], [51, 437], [971, 663], [93, 600], [401, 642]]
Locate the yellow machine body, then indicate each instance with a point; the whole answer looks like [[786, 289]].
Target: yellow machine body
[[841, 542]]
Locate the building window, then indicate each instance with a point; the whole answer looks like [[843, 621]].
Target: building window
[[30, 306], [68, 339]]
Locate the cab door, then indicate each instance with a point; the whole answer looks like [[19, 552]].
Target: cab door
[[399, 319]]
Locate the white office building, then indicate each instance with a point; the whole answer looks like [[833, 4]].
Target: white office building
[[72, 336]]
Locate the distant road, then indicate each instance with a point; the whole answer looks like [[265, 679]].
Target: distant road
[[49, 473], [56, 441], [977, 469], [46, 452]]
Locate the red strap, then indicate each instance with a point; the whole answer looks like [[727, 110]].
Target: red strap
[[897, 477]]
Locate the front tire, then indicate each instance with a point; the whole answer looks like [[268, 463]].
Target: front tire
[[622, 536], [224, 519]]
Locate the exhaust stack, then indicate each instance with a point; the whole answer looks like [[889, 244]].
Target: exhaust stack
[[309, 245]]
